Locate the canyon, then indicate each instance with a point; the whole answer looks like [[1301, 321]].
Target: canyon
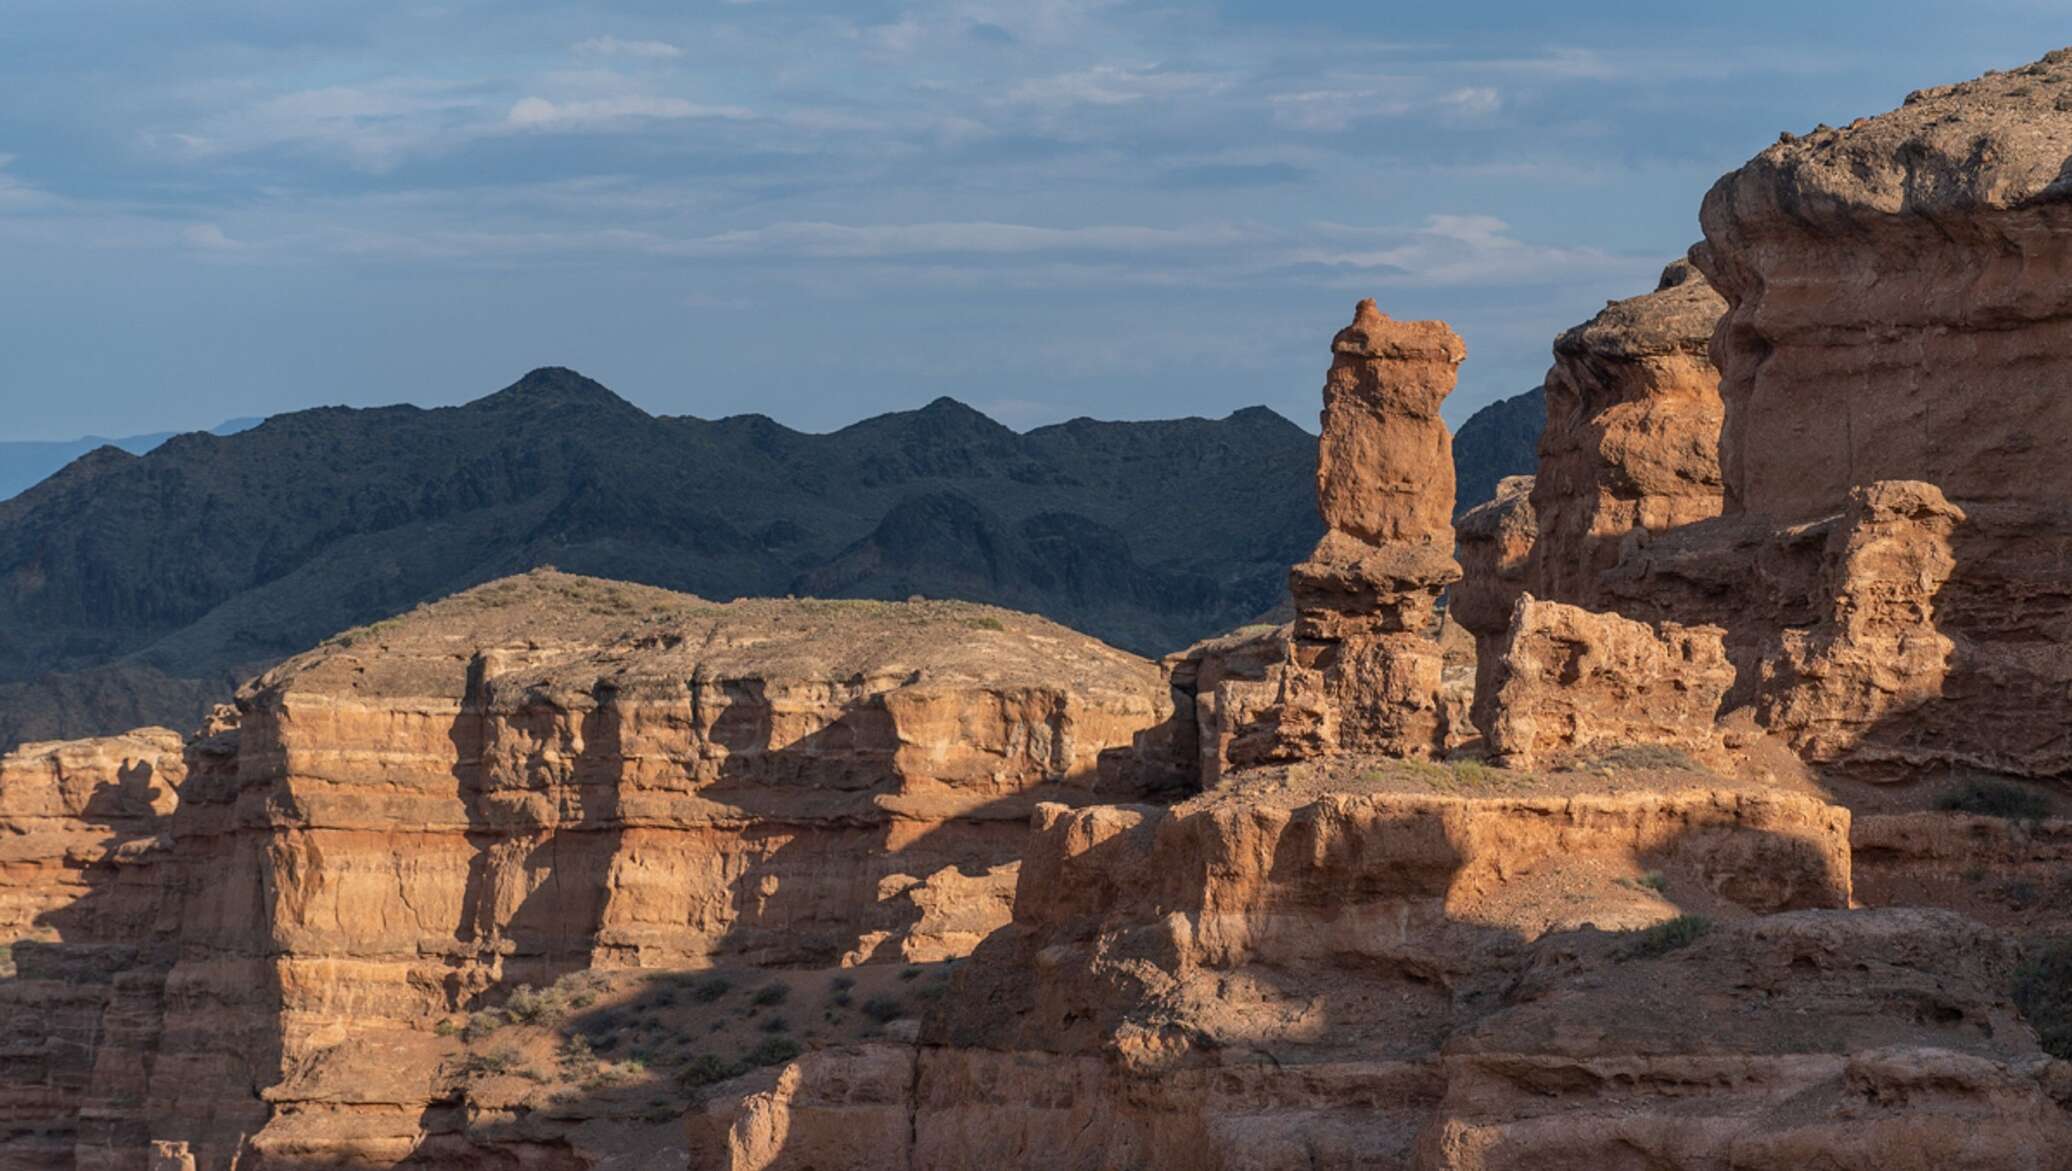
[[1697, 802]]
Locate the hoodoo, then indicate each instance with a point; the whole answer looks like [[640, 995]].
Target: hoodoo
[[1367, 672]]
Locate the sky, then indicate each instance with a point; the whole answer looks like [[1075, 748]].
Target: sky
[[822, 210]]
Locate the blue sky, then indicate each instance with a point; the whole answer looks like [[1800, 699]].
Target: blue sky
[[821, 211]]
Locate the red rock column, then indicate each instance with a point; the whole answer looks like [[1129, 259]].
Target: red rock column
[[1366, 670]]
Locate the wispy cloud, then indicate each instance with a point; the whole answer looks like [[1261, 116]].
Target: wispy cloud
[[540, 112], [1113, 85], [614, 47]]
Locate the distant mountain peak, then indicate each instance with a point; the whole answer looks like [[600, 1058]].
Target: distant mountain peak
[[553, 386]]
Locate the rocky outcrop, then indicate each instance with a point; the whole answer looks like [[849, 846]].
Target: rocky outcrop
[[1892, 309], [548, 774], [1493, 543], [1632, 436], [83, 900], [1891, 319], [1571, 684], [1278, 982], [1367, 675], [1865, 682]]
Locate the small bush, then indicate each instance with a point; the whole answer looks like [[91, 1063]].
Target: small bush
[[841, 983], [1653, 880], [910, 974], [712, 989], [771, 993], [490, 1064], [445, 1028], [529, 1006], [883, 1008], [776, 1024], [481, 1024], [1649, 757], [2043, 993], [1663, 938], [774, 1051], [1995, 799], [707, 1068]]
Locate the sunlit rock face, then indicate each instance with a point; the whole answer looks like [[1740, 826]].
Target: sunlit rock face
[[1367, 673]]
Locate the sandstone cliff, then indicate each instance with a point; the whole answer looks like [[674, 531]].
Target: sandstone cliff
[[1632, 440], [1890, 319], [544, 776]]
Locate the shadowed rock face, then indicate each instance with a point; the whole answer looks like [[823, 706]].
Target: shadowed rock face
[[1632, 438], [1898, 326], [546, 774]]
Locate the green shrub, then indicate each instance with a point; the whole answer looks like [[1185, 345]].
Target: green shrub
[[883, 1008], [529, 1006], [776, 1024], [481, 1024], [712, 988], [2043, 993], [1653, 880], [445, 1028], [490, 1064], [1663, 938], [841, 983], [910, 974], [1995, 799], [1649, 757], [774, 992], [774, 1051]]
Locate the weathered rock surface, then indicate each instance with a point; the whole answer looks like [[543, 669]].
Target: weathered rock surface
[[1573, 684], [1493, 543], [83, 829], [1367, 676], [542, 775], [1893, 317], [1632, 437], [1260, 982], [1894, 309], [1865, 682]]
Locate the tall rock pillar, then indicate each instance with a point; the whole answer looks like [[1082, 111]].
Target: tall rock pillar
[[1366, 668]]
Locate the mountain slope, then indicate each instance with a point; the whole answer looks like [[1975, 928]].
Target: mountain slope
[[1502, 439], [27, 462], [137, 589]]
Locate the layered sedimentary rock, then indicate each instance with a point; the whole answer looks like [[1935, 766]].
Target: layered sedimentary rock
[[1895, 313], [1366, 674], [543, 775], [1573, 684], [1263, 981], [1632, 436], [83, 833]]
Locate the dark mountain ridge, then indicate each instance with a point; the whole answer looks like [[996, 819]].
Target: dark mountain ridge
[[138, 589]]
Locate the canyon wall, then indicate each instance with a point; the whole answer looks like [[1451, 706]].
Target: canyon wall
[[1896, 314], [543, 776]]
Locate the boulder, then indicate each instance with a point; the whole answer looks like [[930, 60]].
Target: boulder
[[1572, 684]]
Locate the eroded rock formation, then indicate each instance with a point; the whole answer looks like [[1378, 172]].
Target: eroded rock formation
[[544, 775], [1281, 982], [1894, 314], [1367, 674], [1571, 684], [1493, 544], [1632, 437]]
